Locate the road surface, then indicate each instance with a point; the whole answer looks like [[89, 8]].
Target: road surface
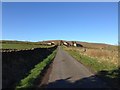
[[69, 73]]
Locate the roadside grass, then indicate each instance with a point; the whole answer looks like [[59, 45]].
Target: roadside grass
[[96, 60], [92, 62], [102, 55], [28, 81], [104, 69]]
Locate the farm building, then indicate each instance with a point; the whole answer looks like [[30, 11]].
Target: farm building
[[66, 44], [50, 43], [75, 44]]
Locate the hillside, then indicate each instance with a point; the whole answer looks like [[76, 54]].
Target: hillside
[[89, 44], [57, 42]]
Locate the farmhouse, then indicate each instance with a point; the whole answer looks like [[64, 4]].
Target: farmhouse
[[50, 43], [79, 45], [65, 43], [75, 44], [72, 43]]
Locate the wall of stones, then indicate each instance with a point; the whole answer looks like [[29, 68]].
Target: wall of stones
[[17, 64]]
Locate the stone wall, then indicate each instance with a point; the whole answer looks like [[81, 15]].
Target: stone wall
[[17, 64]]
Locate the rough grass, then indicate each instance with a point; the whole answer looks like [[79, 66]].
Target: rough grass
[[27, 82], [102, 55], [97, 60], [92, 62], [98, 46]]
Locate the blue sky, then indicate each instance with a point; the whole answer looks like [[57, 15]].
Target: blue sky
[[89, 22]]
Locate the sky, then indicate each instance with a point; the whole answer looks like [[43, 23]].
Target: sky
[[38, 21]]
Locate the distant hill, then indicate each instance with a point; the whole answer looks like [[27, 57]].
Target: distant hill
[[57, 42]]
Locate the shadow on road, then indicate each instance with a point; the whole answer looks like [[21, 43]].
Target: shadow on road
[[111, 77], [90, 82]]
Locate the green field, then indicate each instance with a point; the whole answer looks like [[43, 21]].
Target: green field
[[22, 45]]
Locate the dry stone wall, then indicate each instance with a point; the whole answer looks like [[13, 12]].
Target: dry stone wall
[[17, 64]]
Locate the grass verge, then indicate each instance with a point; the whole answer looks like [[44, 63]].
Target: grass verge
[[92, 62], [108, 72], [27, 82]]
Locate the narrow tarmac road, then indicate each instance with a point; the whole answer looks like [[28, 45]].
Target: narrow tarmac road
[[69, 73]]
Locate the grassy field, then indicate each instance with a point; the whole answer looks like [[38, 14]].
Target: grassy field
[[22, 45]]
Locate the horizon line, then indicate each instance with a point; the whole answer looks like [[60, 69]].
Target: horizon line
[[59, 40]]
